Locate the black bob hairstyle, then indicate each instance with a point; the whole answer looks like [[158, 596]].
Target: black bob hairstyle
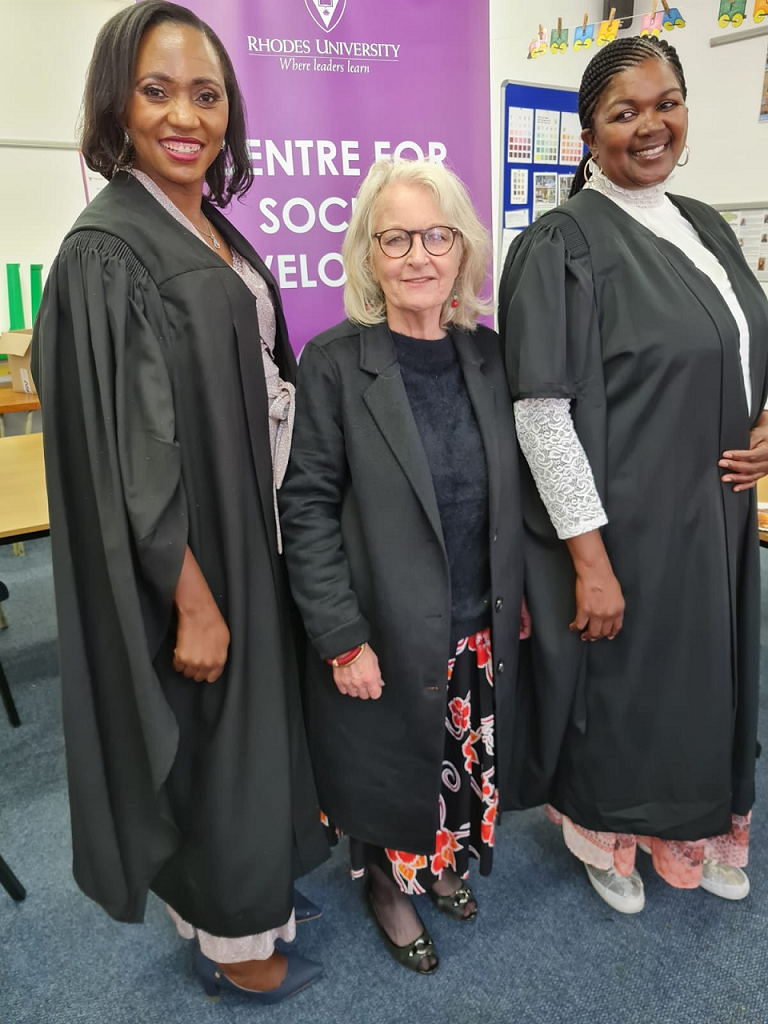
[[619, 56], [110, 83]]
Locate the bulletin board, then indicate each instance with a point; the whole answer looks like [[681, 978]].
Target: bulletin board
[[750, 224], [541, 149]]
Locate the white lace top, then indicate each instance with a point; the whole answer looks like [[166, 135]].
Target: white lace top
[[545, 429], [559, 465], [280, 394]]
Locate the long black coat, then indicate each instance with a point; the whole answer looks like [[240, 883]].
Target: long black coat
[[367, 562], [655, 732], [146, 354]]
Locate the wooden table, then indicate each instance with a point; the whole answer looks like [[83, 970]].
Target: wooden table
[[23, 515], [23, 495], [15, 401]]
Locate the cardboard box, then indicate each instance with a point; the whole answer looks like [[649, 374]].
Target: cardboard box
[[17, 345]]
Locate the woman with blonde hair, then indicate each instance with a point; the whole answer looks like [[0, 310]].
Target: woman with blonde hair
[[402, 535]]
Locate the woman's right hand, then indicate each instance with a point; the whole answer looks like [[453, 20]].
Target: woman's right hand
[[362, 678], [599, 600], [202, 644], [599, 605], [202, 637]]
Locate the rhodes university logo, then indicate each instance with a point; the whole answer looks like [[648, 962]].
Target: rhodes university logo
[[326, 13]]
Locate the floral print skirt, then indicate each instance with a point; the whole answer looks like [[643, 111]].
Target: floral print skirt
[[679, 863], [468, 796]]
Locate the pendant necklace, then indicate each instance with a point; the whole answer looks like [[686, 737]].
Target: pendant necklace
[[216, 244]]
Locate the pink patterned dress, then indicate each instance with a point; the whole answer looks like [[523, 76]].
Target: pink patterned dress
[[678, 863]]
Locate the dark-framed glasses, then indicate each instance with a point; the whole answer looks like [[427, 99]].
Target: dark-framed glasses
[[397, 242]]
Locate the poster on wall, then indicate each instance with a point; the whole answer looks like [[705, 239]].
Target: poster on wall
[[331, 87], [543, 150], [764, 98], [750, 226]]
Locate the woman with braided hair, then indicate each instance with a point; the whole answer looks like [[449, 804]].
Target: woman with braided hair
[[637, 354]]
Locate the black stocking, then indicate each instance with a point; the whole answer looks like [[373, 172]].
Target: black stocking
[[396, 913]]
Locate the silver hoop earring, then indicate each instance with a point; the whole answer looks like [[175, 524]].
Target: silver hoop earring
[[684, 163], [223, 145], [590, 169]]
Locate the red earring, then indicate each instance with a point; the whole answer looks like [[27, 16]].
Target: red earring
[[455, 301]]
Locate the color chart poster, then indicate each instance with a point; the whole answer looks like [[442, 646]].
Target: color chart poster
[[540, 154], [329, 88]]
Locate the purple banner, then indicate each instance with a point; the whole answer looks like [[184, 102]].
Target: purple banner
[[330, 87]]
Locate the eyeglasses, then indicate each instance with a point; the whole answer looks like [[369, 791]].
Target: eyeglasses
[[397, 242]]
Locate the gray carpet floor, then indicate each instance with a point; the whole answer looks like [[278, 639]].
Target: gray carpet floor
[[544, 950]]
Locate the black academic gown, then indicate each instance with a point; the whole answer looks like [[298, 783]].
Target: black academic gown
[[654, 732], [146, 355]]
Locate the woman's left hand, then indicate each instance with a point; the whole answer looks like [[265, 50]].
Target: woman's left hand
[[746, 468], [525, 621]]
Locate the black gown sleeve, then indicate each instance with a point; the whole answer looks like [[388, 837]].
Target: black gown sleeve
[[118, 536], [547, 312], [550, 328]]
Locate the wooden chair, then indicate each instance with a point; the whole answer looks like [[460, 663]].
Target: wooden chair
[[8, 880], [5, 690], [10, 883]]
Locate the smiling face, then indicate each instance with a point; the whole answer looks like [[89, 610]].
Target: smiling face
[[417, 285], [639, 126], [178, 112]]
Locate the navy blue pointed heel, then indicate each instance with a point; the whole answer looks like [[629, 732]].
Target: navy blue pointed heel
[[304, 909], [301, 974]]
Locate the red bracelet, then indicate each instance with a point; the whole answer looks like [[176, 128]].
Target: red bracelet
[[347, 658]]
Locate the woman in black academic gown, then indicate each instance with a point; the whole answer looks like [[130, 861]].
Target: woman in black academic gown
[[402, 529], [637, 352], [164, 370]]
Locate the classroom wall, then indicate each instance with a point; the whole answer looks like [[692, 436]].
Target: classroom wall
[[47, 45], [729, 146], [46, 48]]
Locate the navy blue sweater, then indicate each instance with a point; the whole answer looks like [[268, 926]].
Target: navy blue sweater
[[441, 406]]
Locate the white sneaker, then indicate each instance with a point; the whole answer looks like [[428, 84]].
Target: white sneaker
[[723, 880], [623, 894]]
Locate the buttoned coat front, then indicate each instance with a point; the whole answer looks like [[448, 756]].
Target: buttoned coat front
[[367, 562]]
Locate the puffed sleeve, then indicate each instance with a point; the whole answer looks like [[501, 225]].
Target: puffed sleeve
[[310, 512], [550, 329], [547, 316]]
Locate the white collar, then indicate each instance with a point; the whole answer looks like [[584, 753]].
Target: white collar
[[651, 197]]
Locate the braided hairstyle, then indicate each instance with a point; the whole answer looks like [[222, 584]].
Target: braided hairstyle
[[616, 57]]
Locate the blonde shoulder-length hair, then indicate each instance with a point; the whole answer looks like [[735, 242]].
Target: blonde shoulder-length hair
[[364, 299]]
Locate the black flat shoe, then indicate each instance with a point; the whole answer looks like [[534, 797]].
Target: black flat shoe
[[454, 903], [409, 956]]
